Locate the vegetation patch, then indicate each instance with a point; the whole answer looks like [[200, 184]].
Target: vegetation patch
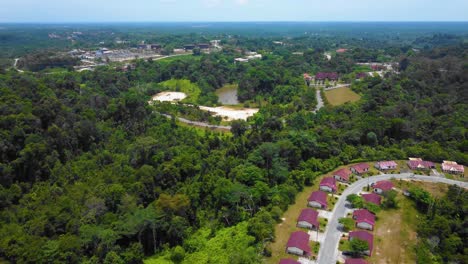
[[340, 96], [186, 86]]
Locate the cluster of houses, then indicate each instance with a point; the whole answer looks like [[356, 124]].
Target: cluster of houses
[[298, 243], [320, 77]]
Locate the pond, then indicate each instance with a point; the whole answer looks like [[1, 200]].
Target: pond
[[227, 95]]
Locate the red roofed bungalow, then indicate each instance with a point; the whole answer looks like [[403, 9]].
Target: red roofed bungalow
[[341, 50], [355, 261], [372, 198], [318, 199], [386, 165], [332, 76], [342, 175], [419, 164], [298, 244], [382, 186], [308, 219], [452, 167], [365, 236], [360, 168], [289, 261], [328, 184], [364, 219]]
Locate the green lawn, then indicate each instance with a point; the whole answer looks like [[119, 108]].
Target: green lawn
[[341, 95], [186, 86]]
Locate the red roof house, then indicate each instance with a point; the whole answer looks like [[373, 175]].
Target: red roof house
[[364, 219], [298, 244], [289, 261], [382, 186], [452, 167], [318, 199], [341, 50], [332, 76], [355, 261], [419, 164], [365, 236], [372, 198], [342, 175], [361, 75], [328, 184], [386, 165], [308, 219], [360, 168]]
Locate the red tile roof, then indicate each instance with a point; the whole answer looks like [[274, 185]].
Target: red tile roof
[[319, 197], [289, 261], [300, 240], [330, 182], [364, 215], [420, 164], [452, 167], [341, 50], [355, 261], [363, 235], [386, 164], [361, 167], [326, 75], [343, 173], [310, 216], [372, 198], [383, 185]]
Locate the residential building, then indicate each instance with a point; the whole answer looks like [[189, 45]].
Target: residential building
[[365, 236], [372, 198], [382, 186], [386, 165], [328, 184], [452, 167], [364, 219], [419, 164], [342, 175], [308, 219], [318, 199], [360, 168], [298, 244]]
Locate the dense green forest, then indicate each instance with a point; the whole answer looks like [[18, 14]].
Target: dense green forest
[[90, 173]]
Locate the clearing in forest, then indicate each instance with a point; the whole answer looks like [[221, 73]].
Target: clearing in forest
[[342, 95]]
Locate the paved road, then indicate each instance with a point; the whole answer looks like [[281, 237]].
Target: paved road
[[329, 248], [338, 86], [198, 124], [320, 103]]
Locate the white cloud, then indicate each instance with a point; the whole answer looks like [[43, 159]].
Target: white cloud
[[242, 2]]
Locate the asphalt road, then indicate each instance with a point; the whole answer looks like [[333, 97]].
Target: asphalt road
[[329, 248]]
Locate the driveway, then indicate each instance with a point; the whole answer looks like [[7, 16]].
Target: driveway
[[328, 253]]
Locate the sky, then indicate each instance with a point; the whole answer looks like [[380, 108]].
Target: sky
[[56, 11]]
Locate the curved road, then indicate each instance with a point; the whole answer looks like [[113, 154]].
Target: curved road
[[328, 252], [197, 123]]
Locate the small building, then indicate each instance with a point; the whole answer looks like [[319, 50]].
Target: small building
[[318, 199], [452, 167], [143, 46], [419, 164], [364, 219], [156, 46], [365, 236], [331, 76], [372, 198], [382, 186], [341, 50], [386, 165], [360, 168], [289, 261], [342, 175], [308, 219], [328, 184], [355, 261], [204, 45], [298, 244], [189, 47], [240, 60]]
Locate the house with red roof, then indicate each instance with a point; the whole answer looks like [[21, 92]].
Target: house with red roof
[[308, 219], [361, 75], [452, 167], [298, 244], [318, 199], [328, 184], [386, 165], [372, 198], [364, 219], [342, 175], [382, 186], [341, 50], [360, 168], [355, 261], [365, 236], [419, 164], [331, 76], [289, 261]]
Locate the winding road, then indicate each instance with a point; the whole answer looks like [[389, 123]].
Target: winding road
[[328, 252], [197, 123]]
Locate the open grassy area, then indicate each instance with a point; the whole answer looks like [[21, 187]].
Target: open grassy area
[[395, 235], [341, 95], [186, 86], [436, 189]]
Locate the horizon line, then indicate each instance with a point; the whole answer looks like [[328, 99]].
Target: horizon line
[[233, 21]]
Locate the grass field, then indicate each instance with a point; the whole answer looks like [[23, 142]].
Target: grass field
[[395, 235], [186, 86], [341, 95]]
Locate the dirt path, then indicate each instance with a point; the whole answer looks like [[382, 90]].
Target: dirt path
[[199, 124], [320, 102]]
